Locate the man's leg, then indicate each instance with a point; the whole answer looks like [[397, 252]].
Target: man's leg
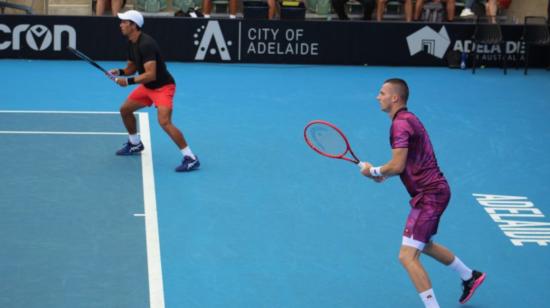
[[471, 279], [418, 9], [116, 5], [127, 113], [467, 11], [134, 144], [380, 7], [233, 7], [272, 11], [469, 4], [491, 8], [408, 10], [368, 8], [439, 253], [451, 7], [190, 161], [164, 116], [409, 257], [206, 8], [340, 8], [100, 7]]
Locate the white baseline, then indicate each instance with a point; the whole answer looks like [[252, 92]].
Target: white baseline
[[156, 289]]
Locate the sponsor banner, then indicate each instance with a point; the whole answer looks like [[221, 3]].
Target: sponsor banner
[[257, 41], [46, 37]]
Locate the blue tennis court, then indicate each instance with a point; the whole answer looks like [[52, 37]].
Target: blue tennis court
[[266, 222]]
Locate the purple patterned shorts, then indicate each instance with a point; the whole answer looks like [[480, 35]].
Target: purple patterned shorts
[[423, 218]]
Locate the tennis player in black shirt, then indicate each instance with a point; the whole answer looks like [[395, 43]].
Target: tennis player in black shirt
[[155, 86]]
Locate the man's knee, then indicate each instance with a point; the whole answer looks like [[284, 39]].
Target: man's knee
[[164, 122], [405, 259], [125, 110], [129, 107], [407, 256]]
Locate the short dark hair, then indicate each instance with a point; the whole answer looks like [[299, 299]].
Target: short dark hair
[[400, 86]]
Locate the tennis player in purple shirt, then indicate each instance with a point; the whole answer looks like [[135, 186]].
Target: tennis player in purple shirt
[[413, 159]]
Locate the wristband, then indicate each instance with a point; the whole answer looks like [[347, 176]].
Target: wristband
[[121, 72], [375, 171], [131, 80]]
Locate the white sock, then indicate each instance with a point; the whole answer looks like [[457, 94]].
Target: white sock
[[428, 297], [206, 15], [462, 270], [232, 16], [187, 152], [134, 139]]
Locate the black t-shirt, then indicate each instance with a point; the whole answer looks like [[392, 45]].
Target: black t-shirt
[[144, 50]]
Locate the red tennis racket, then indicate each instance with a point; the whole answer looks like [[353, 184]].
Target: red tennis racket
[[328, 140]]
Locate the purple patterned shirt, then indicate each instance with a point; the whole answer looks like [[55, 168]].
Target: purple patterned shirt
[[421, 172]]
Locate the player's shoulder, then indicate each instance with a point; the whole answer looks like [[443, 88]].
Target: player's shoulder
[[147, 40], [402, 116], [406, 116]]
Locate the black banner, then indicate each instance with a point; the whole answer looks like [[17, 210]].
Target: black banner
[[256, 41]]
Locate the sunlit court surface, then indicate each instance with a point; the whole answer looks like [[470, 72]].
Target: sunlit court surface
[[266, 221]]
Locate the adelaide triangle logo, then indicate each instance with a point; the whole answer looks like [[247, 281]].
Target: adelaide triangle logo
[[426, 39], [211, 31]]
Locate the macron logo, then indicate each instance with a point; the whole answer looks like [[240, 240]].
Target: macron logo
[[211, 31], [426, 39]]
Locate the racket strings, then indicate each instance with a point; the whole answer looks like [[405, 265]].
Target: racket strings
[[326, 139]]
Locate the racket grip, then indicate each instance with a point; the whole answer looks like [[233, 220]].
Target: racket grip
[[361, 165]]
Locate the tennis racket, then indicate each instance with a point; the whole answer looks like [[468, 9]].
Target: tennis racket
[[328, 140], [84, 57]]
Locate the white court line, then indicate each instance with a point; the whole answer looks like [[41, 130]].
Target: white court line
[[156, 289], [62, 112], [57, 133]]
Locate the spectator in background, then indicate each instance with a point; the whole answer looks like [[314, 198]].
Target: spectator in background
[[340, 8], [207, 8], [450, 6], [381, 7], [113, 5], [272, 11], [490, 8]]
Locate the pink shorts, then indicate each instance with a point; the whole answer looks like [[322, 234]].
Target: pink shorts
[[423, 219], [162, 96]]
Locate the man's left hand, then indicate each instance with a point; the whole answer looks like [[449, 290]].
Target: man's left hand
[[365, 170], [123, 82]]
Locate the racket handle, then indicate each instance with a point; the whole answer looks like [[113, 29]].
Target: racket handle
[[361, 165]]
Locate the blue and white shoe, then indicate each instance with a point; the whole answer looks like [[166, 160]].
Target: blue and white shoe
[[130, 149], [188, 164]]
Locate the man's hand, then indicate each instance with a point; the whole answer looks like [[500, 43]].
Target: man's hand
[[365, 166], [114, 72], [365, 170], [123, 82]]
